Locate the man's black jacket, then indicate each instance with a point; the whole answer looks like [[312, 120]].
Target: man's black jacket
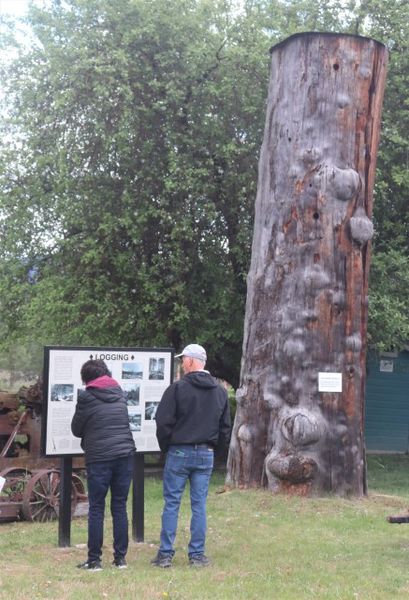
[[193, 410], [101, 421]]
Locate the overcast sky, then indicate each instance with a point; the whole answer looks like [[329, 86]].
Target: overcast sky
[[13, 7]]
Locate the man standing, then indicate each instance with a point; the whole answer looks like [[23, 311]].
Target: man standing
[[193, 418], [101, 421]]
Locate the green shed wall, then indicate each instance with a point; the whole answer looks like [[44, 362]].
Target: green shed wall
[[387, 405]]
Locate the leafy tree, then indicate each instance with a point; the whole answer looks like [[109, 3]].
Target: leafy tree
[[388, 301], [128, 188], [128, 171]]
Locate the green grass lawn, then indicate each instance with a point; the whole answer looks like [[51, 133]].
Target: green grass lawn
[[262, 547]]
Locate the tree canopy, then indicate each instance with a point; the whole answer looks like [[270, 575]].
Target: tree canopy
[[128, 170]]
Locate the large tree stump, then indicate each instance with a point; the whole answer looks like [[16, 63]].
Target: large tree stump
[[306, 309]]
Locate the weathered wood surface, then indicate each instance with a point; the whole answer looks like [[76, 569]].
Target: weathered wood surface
[[8, 401], [306, 306]]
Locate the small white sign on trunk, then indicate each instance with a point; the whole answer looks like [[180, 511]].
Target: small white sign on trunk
[[330, 382]]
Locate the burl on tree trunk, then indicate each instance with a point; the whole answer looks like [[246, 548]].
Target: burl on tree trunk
[[306, 311]]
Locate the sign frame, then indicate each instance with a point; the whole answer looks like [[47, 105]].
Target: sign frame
[[78, 355]]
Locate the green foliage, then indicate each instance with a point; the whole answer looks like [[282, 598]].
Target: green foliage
[[392, 186], [133, 186], [388, 301], [129, 169]]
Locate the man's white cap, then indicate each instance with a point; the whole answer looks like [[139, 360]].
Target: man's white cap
[[194, 351]]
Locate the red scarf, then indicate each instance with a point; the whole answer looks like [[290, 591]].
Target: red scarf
[[103, 382]]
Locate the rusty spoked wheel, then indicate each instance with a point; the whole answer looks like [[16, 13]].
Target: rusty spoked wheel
[[80, 487], [41, 497]]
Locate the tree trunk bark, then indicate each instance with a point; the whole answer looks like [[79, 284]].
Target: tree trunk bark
[[306, 313]]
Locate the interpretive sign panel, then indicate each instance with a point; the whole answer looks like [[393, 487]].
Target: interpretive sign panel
[[143, 374]]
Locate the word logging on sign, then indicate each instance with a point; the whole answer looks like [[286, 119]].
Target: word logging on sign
[[102, 356]]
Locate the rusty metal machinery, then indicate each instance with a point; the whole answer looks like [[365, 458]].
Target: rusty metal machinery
[[32, 484]]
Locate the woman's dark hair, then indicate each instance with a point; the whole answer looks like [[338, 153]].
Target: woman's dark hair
[[93, 369]]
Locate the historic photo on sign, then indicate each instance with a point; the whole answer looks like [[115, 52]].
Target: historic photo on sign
[[132, 371], [156, 368], [135, 422], [150, 410], [131, 393], [62, 392]]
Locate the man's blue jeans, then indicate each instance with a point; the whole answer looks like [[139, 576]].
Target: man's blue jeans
[[193, 463], [115, 475]]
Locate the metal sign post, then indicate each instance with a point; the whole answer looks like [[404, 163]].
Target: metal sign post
[[138, 498], [64, 514]]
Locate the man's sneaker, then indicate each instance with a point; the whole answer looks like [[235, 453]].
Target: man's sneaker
[[120, 563], [199, 560], [164, 561], [90, 565]]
